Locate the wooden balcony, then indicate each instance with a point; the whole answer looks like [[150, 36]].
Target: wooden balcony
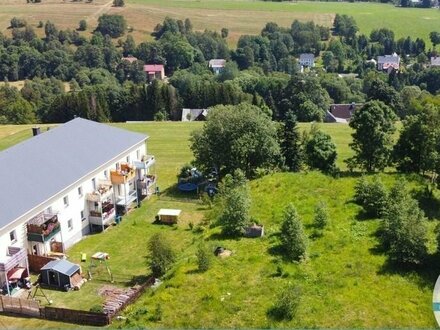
[[125, 174]]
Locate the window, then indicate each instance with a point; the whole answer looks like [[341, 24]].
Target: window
[[70, 224], [94, 183], [13, 236], [106, 174], [138, 154], [80, 191], [83, 218], [128, 159], [117, 166], [66, 201]]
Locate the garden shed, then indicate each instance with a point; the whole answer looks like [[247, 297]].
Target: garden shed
[[60, 274]]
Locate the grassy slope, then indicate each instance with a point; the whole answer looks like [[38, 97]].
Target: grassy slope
[[345, 282]]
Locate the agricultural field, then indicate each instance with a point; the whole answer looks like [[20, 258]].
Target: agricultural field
[[239, 16], [346, 281]]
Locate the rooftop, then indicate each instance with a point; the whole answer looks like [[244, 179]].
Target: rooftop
[[217, 63], [61, 266], [153, 67], [37, 169]]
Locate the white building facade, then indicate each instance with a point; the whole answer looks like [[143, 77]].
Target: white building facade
[[88, 194]]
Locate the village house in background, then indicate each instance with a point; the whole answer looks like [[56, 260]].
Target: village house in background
[[217, 65], [388, 63], [341, 113], [194, 114], [130, 59], [63, 184], [306, 60], [154, 71], [435, 61]]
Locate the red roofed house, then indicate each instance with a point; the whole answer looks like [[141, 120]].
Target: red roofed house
[[341, 113], [154, 71], [388, 62]]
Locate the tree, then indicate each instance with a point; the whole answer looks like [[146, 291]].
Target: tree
[[290, 144], [372, 138], [234, 204], [82, 25], [113, 25], [435, 38], [293, 238], [404, 229], [118, 3], [236, 137], [321, 152], [224, 32], [161, 254], [18, 22], [320, 219], [372, 196]]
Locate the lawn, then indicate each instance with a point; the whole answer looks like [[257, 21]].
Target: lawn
[[345, 282]]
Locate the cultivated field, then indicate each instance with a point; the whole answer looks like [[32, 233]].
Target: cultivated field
[[345, 283], [239, 16]]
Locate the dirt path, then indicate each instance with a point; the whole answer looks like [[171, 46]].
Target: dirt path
[[103, 10]]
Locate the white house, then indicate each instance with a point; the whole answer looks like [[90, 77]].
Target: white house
[[435, 61], [63, 183], [307, 60], [217, 65]]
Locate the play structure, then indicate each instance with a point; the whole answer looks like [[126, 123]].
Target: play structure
[[61, 274], [192, 180], [99, 260], [38, 292]]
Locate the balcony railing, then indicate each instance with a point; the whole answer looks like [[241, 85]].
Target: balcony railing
[[147, 185], [145, 162], [126, 200], [125, 174], [102, 218], [102, 193], [44, 232]]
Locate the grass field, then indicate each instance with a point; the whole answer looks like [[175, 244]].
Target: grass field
[[346, 282], [239, 16]]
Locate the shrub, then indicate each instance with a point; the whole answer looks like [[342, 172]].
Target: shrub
[[113, 25], [203, 258], [17, 22], [372, 196], [82, 25], [97, 309], [321, 217], [162, 255], [118, 3], [287, 303]]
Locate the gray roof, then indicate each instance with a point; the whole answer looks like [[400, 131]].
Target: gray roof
[[37, 169], [435, 61], [61, 266], [388, 59], [306, 56]]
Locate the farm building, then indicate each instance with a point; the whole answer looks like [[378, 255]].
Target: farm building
[[217, 65], [87, 176], [60, 274]]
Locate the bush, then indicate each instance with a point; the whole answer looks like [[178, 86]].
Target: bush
[[162, 255], [372, 196], [118, 3], [17, 22], [287, 303], [203, 258], [82, 25], [97, 309], [321, 217], [113, 25]]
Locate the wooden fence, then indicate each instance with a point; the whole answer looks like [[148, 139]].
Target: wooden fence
[[11, 305], [75, 316]]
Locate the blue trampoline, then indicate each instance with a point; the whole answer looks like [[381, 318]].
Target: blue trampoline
[[187, 187]]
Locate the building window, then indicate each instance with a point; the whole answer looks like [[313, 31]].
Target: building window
[[83, 218], [66, 201], [80, 191], [94, 183], [138, 154], [128, 159], [70, 224], [117, 166], [106, 174], [13, 236]]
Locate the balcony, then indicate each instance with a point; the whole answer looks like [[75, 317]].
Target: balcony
[[45, 231], [145, 162], [125, 174], [102, 218], [147, 184], [104, 191], [126, 200]]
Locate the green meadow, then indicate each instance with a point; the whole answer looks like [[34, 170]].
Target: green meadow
[[345, 282]]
